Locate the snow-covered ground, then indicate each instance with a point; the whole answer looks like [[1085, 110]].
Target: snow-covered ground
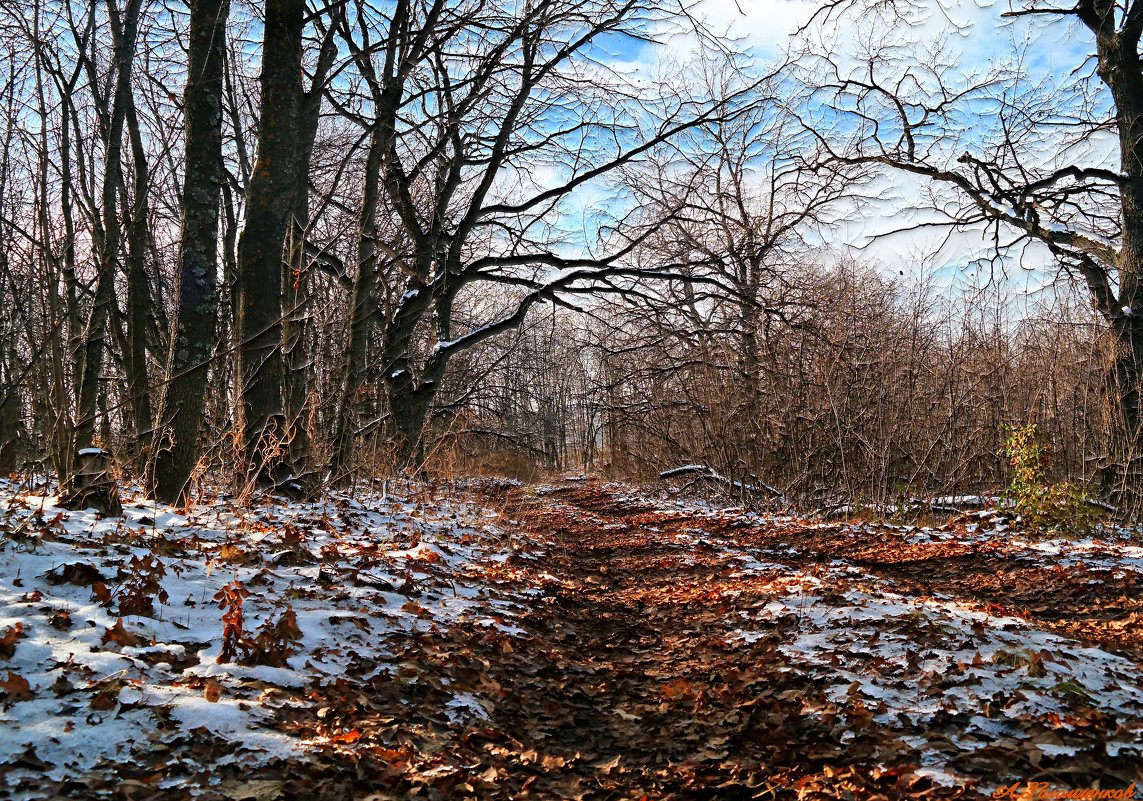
[[186, 639], [917, 663], [953, 678], [112, 635]]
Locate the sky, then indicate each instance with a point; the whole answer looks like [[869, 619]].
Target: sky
[[978, 36], [763, 24]]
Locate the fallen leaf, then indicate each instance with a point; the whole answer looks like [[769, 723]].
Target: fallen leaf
[[255, 790], [212, 691], [16, 688], [79, 573], [8, 641], [347, 737], [120, 636], [104, 701]]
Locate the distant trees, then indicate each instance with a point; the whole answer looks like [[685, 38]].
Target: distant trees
[[739, 201], [871, 390]]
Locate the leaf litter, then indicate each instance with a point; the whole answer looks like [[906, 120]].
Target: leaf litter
[[580, 641]]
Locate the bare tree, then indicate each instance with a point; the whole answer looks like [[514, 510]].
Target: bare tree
[[112, 106], [1022, 153], [738, 202], [274, 195], [481, 98]]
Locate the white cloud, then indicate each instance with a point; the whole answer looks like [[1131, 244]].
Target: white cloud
[[763, 25]]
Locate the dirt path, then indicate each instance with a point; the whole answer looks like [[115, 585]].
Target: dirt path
[[640, 693], [652, 666]]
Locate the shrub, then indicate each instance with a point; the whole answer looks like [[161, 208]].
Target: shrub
[[274, 642], [1063, 508]]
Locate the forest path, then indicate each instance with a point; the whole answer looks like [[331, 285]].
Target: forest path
[[632, 683], [669, 652], [665, 667]]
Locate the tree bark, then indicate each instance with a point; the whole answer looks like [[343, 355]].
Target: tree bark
[[409, 399], [270, 202], [297, 280], [139, 301], [193, 339], [364, 309], [1120, 69]]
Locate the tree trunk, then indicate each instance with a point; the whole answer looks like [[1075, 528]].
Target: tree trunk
[[269, 204], [409, 400], [10, 410], [1119, 67], [139, 300], [295, 332], [409, 410], [1127, 367], [193, 339], [96, 332], [364, 309], [296, 328]]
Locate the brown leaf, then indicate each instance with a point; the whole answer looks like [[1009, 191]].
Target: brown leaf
[[414, 608], [100, 592], [232, 553], [105, 701], [79, 573], [8, 641], [679, 688], [16, 688], [120, 636], [255, 790], [212, 690], [347, 737], [287, 626]]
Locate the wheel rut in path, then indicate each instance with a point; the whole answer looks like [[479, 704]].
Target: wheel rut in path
[[630, 683]]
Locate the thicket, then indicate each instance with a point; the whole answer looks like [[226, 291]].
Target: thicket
[[868, 388]]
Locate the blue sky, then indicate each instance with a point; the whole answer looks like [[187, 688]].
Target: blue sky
[[977, 37]]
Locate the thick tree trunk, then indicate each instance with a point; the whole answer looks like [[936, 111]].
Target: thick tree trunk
[[409, 399], [269, 204], [193, 339], [409, 410], [1127, 369], [1119, 67]]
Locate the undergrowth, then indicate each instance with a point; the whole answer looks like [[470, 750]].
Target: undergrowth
[[1061, 508]]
